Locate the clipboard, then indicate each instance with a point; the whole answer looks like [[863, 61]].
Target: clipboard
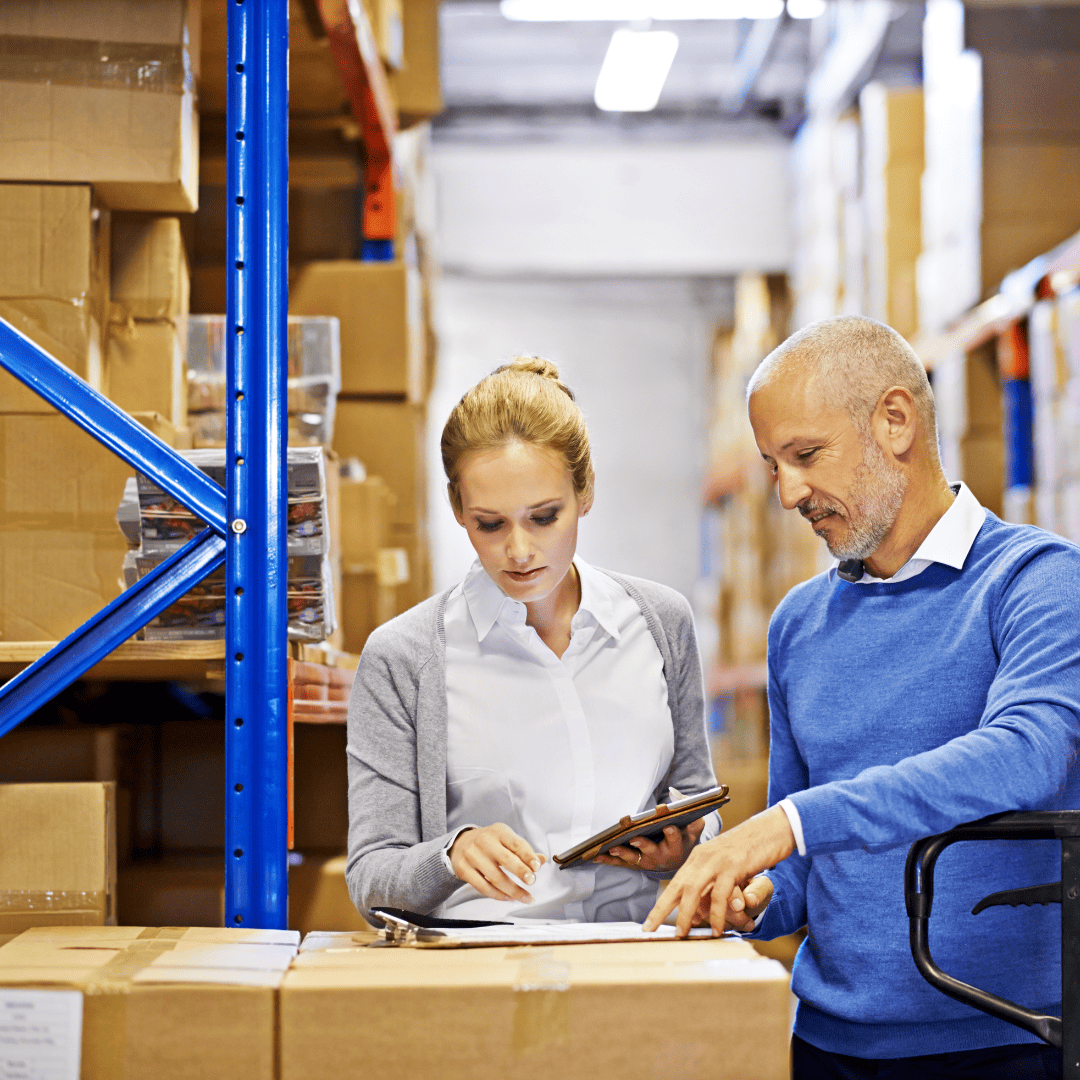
[[650, 823]]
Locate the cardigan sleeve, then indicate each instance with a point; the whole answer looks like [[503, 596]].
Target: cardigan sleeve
[[389, 863]]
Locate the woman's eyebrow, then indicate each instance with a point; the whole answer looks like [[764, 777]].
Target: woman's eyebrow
[[535, 506]]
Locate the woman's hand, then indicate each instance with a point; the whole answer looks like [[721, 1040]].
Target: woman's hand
[[483, 858], [642, 854]]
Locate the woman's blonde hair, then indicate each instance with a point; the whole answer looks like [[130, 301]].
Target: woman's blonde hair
[[524, 400]]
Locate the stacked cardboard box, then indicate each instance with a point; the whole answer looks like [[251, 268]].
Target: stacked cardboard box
[[145, 368], [967, 392], [532, 1012], [54, 281], [949, 276], [167, 1003], [103, 94], [1054, 336], [892, 140], [1002, 149], [58, 861]]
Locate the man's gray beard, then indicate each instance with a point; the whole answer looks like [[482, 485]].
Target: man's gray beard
[[876, 495]]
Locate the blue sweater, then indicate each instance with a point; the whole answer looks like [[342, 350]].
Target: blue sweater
[[901, 710]]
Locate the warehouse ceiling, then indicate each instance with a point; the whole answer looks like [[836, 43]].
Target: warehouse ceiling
[[535, 80]]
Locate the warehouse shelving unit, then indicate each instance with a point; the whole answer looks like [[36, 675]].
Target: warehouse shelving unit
[[246, 523]]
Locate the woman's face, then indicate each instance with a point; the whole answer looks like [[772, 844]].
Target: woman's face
[[520, 511]]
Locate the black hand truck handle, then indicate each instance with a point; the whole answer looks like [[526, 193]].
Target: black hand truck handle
[[919, 897]]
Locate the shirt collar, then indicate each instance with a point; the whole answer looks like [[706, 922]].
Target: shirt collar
[[948, 542], [488, 604]]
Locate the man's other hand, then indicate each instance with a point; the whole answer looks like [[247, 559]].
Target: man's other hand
[[715, 883]]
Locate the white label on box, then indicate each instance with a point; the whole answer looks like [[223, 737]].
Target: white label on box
[[40, 1034]]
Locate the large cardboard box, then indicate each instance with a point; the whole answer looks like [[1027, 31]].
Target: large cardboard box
[[389, 437], [169, 1003], [57, 855], [415, 88], [319, 898], [716, 1009], [54, 278], [145, 368], [366, 506], [148, 270], [379, 308], [365, 604], [61, 551], [103, 93], [178, 890]]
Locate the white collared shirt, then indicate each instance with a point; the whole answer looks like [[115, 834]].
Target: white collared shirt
[[948, 542], [557, 748]]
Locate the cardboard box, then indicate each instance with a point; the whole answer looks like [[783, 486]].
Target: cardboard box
[[148, 270], [58, 856], [171, 1003], [145, 368], [319, 898], [1031, 94], [366, 506], [178, 890], [104, 94], [416, 89], [61, 551], [365, 604], [54, 279], [378, 305], [389, 437], [719, 1008], [320, 789], [37, 755]]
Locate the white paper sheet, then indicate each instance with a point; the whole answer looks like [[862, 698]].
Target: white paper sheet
[[550, 933], [40, 1034]]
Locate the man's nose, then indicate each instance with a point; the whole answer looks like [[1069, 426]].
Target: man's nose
[[791, 488]]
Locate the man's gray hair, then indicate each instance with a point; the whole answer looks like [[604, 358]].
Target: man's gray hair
[[856, 360]]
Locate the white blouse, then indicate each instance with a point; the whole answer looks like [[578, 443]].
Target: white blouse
[[556, 748]]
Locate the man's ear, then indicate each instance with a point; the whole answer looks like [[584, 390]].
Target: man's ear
[[895, 420]]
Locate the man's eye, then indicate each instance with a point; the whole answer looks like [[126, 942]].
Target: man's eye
[[548, 519], [806, 455], [488, 526]]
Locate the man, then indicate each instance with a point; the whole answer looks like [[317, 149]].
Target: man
[[930, 679]]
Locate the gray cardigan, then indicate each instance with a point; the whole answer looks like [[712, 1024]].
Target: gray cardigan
[[397, 745]]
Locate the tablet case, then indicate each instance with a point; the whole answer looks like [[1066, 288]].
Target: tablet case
[[650, 823]]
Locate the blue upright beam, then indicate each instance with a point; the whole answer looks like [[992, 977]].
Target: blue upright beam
[[111, 626], [256, 569]]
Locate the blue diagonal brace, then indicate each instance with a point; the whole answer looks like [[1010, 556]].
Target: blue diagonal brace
[[111, 626], [111, 426]]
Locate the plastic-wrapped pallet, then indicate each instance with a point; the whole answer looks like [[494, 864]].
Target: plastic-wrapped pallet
[[314, 379]]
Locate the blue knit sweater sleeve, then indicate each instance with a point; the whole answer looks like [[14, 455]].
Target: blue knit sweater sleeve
[[1019, 755]]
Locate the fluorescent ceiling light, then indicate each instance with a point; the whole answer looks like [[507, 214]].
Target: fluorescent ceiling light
[[634, 70], [636, 10], [805, 9]]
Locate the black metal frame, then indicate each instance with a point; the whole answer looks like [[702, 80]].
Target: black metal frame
[[1061, 825]]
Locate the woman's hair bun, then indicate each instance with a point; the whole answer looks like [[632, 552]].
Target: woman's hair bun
[[537, 365]]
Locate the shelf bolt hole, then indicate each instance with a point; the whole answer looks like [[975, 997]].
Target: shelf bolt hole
[[238, 787]]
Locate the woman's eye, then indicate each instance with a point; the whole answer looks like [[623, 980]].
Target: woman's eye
[[548, 519], [488, 526]]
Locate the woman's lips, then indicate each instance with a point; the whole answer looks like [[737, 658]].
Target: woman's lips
[[524, 575]]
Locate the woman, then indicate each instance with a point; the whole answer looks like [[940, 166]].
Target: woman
[[532, 705]]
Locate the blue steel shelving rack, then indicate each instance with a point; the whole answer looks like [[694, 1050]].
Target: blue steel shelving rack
[[246, 521]]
